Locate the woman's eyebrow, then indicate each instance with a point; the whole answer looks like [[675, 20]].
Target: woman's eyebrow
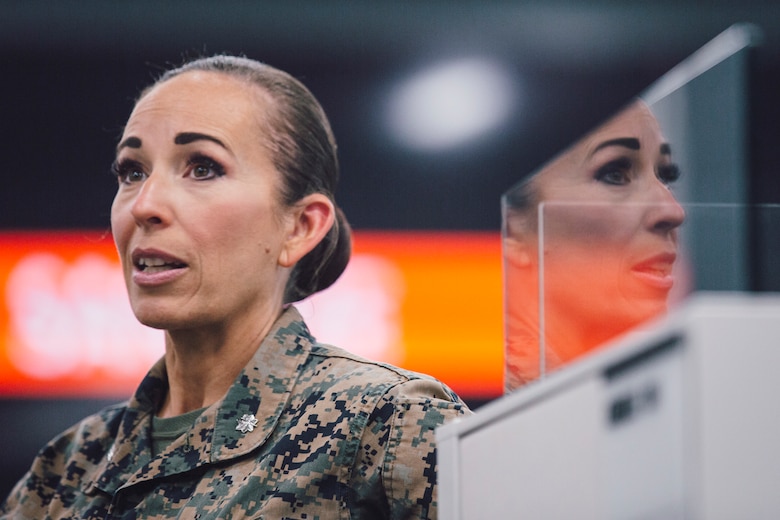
[[189, 137], [182, 138], [130, 142], [626, 142]]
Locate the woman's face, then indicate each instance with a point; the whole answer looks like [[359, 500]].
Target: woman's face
[[610, 226], [196, 217]]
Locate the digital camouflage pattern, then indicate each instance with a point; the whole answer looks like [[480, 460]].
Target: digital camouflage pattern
[[337, 437]]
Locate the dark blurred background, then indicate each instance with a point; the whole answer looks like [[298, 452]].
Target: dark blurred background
[[71, 70]]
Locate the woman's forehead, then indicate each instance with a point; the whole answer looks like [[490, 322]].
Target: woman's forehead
[[636, 121], [201, 98], [208, 92]]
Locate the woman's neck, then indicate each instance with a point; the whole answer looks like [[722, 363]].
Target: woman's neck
[[202, 364]]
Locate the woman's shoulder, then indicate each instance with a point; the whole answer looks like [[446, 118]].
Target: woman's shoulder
[[338, 365], [94, 430], [393, 415], [69, 455]]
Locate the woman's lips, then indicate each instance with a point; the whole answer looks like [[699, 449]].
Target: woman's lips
[[152, 267], [656, 271]]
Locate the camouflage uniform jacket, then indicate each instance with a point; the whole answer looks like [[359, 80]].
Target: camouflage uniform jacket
[[337, 437]]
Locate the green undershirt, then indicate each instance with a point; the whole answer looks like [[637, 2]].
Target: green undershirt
[[165, 431]]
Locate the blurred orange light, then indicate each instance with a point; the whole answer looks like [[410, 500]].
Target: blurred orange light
[[427, 301]]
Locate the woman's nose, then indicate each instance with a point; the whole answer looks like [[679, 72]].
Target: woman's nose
[[664, 213], [150, 206]]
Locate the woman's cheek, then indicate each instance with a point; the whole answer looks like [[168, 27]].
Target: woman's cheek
[[594, 224]]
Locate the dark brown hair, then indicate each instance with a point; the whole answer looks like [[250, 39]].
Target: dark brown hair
[[303, 150]]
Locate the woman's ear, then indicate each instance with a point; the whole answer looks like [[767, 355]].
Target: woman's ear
[[517, 253], [310, 220], [520, 240]]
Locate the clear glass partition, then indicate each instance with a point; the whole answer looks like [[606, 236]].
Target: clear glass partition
[[651, 205], [585, 274]]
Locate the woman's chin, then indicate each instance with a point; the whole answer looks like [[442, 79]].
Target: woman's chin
[[644, 310], [158, 316]]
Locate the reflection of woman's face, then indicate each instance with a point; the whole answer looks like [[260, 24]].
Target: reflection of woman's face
[[610, 226], [196, 218]]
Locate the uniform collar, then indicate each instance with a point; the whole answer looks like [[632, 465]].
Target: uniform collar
[[262, 390]]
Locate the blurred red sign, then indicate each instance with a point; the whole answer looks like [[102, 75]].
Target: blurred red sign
[[427, 301]]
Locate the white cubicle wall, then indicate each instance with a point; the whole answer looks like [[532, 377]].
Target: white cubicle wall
[[681, 420]]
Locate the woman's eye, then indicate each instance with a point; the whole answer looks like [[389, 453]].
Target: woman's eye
[[668, 173], [616, 173], [202, 168], [128, 172]]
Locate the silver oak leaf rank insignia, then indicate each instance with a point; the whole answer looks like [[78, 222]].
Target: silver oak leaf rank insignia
[[246, 423]]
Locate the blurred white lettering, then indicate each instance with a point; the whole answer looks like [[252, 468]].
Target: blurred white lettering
[[72, 319]]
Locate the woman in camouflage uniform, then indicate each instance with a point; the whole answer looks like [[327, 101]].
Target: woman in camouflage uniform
[[223, 217]]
